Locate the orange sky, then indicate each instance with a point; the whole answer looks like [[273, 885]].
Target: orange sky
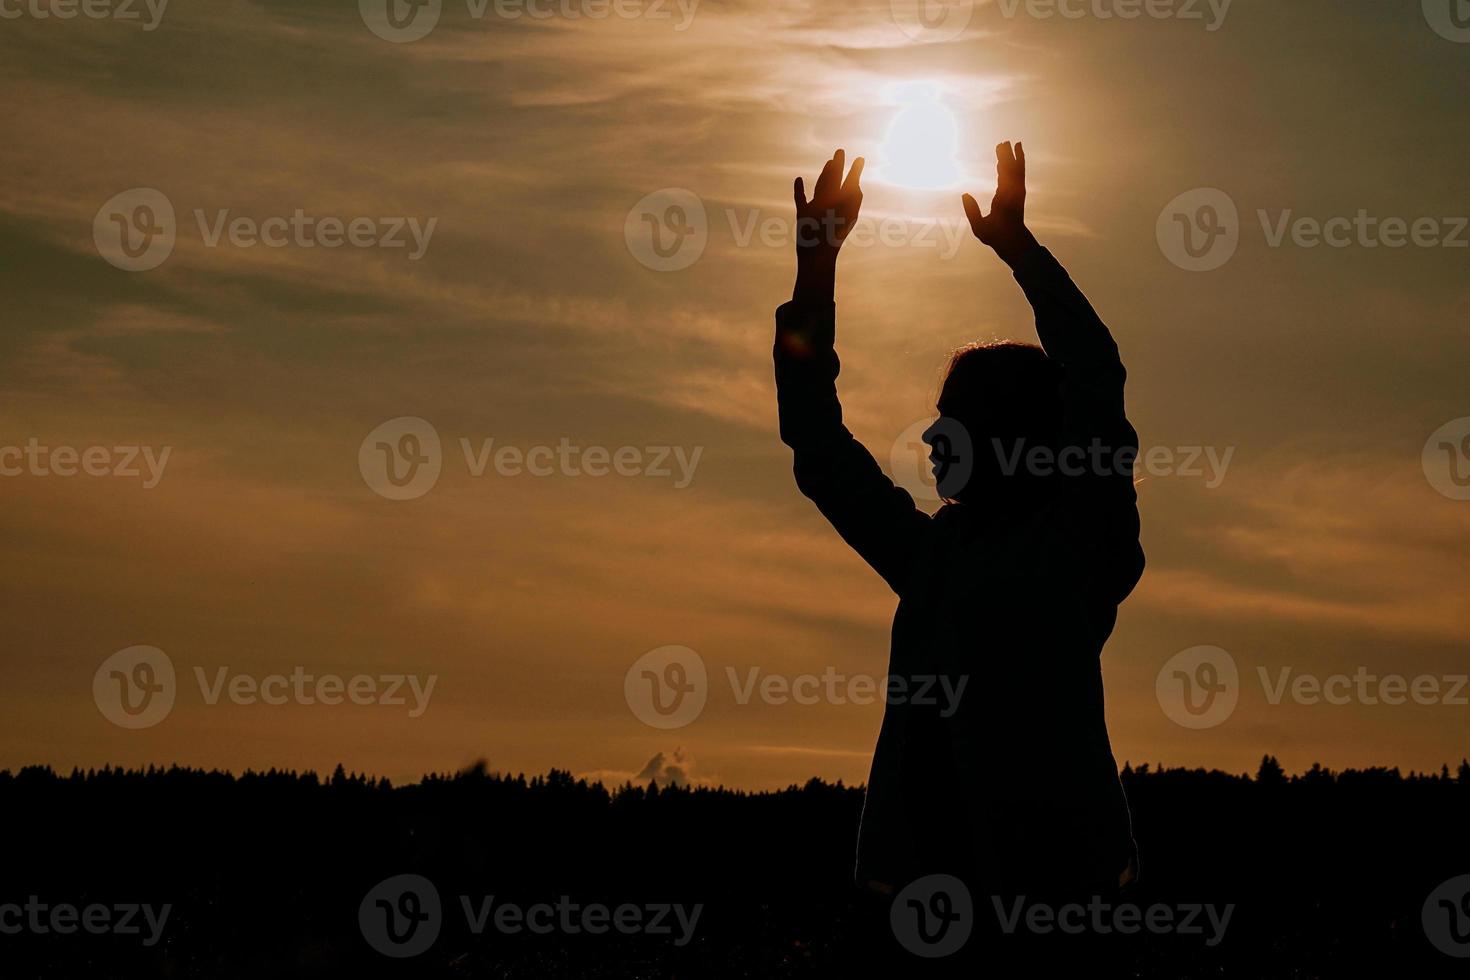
[[529, 320]]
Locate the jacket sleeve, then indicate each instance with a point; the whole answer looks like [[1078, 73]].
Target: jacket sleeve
[[1098, 444], [878, 519]]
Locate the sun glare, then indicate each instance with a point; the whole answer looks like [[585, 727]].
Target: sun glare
[[922, 145]]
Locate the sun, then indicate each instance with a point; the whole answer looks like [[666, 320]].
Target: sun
[[922, 145]]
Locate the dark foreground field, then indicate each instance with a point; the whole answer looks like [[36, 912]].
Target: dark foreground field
[[191, 874]]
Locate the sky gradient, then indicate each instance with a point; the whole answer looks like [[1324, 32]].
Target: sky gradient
[[529, 319]]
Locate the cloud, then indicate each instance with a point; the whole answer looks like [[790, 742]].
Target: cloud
[[1342, 543], [664, 770], [529, 321], [673, 771]]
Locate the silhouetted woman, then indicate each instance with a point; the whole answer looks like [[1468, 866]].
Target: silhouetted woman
[[1013, 585]]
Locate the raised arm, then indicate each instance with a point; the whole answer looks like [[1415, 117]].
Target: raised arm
[[1069, 329], [878, 519], [1096, 434]]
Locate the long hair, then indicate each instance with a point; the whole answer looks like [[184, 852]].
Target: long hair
[[1007, 395]]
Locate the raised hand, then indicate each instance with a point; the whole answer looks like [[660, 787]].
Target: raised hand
[[1004, 228], [823, 223]]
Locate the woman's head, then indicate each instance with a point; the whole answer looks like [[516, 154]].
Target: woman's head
[[998, 402]]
